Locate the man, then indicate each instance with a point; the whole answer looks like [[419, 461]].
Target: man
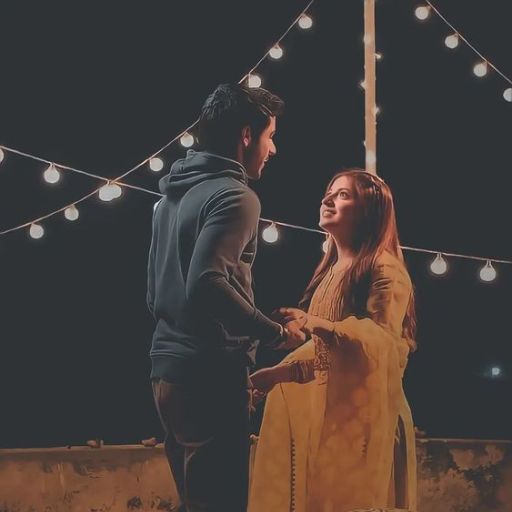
[[200, 293]]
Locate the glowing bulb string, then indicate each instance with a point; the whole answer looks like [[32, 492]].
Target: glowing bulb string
[[116, 180], [485, 59], [285, 33]]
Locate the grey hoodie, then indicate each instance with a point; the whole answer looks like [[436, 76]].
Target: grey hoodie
[[199, 271]]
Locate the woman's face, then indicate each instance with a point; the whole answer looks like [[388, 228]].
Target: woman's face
[[339, 209]]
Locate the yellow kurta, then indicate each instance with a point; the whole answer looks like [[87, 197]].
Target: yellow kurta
[[345, 440]]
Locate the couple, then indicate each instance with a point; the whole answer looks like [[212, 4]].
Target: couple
[[337, 431]]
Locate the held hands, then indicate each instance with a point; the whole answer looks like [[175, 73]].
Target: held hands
[[295, 322]]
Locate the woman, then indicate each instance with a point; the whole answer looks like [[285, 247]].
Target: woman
[[337, 432]]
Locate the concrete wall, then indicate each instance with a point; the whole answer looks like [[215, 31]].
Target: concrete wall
[[454, 476]]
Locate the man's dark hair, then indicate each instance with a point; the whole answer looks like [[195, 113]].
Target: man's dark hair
[[228, 109]]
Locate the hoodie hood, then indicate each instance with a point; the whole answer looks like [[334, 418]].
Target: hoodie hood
[[197, 167]]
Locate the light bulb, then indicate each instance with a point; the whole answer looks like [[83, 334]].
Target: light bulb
[[36, 231], [270, 234], [51, 175], [422, 12], [439, 265], [480, 69], [110, 191], [71, 213], [488, 272], [507, 94], [254, 81], [305, 21], [452, 41], [2, 154], [276, 52], [187, 140], [156, 164], [495, 371]]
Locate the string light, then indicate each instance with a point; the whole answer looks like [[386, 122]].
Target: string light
[[439, 266], [36, 231], [110, 191], [422, 12], [452, 41], [187, 140], [71, 213], [305, 21], [480, 69], [488, 272], [51, 175], [156, 164], [254, 81], [507, 94], [270, 234], [2, 155], [276, 52], [495, 371]]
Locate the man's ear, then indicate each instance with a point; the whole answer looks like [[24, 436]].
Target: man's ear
[[246, 136]]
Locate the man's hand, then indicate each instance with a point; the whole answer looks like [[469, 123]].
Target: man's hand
[[294, 335]]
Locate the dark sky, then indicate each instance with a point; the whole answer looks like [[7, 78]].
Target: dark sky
[[100, 86]]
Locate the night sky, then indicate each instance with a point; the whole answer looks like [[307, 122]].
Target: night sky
[[101, 86]]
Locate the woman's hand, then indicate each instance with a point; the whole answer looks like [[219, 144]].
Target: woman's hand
[[264, 380], [294, 317]]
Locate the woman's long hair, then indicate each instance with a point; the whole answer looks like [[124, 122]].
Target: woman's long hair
[[375, 231]]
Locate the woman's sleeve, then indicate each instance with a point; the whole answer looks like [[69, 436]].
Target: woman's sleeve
[[388, 299]]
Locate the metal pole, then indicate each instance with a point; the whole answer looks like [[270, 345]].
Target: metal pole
[[370, 106]]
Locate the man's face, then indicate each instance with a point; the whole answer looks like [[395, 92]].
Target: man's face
[[259, 150]]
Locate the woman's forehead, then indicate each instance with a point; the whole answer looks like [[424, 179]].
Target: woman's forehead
[[341, 182]]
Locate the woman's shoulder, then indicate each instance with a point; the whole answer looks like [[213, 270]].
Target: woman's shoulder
[[390, 266]]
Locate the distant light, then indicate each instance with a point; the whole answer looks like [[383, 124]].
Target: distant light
[[254, 81], [488, 272], [187, 140], [305, 21], [156, 164], [276, 52], [422, 12], [51, 175], [495, 371], [452, 41], [480, 69], [2, 154], [36, 231], [270, 234], [71, 213], [507, 94], [439, 265]]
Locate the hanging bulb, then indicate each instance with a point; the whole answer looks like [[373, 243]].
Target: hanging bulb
[[439, 265], [276, 52], [488, 272], [36, 231], [254, 81], [480, 69], [305, 21], [495, 371], [71, 213], [507, 94], [452, 41], [51, 175], [270, 234], [422, 12], [156, 164], [2, 154], [109, 191], [187, 140]]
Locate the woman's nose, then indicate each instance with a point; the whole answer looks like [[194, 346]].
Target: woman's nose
[[327, 200]]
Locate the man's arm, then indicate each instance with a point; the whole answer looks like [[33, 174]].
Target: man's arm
[[231, 222]]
